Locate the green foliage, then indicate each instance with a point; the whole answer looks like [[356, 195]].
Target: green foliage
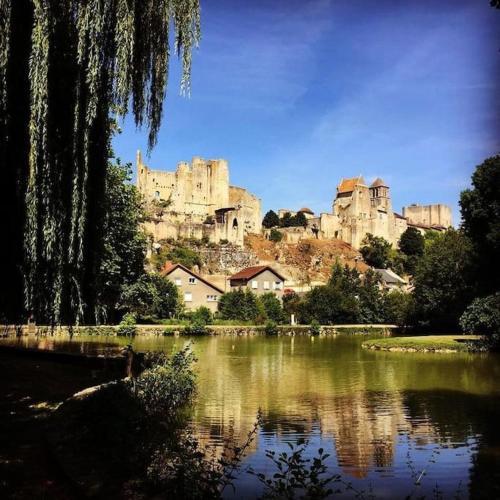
[[271, 328], [196, 327], [239, 305], [289, 220], [480, 208], [376, 251], [398, 308], [275, 235], [74, 66], [272, 307], [297, 476], [178, 254], [443, 282], [314, 328], [412, 242], [127, 326], [482, 317], [291, 304], [152, 294], [169, 384], [203, 314], [300, 219], [270, 220], [124, 243], [371, 299]]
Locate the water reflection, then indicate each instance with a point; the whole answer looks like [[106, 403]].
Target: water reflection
[[382, 416]]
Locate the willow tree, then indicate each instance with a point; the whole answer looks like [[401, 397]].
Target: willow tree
[[67, 69]]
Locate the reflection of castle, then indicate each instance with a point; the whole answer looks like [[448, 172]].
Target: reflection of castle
[[235, 382], [197, 201], [359, 209]]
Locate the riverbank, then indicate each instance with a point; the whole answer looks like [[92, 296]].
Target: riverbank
[[424, 343], [8, 331]]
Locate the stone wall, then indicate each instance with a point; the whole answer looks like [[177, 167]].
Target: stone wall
[[431, 215], [197, 201]]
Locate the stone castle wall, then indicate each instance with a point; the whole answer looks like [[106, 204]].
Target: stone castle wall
[[198, 202], [431, 215]]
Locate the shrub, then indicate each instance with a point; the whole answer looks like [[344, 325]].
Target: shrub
[[167, 385], [275, 235], [197, 327], [203, 314], [271, 328], [273, 309], [482, 316], [127, 326], [314, 328]]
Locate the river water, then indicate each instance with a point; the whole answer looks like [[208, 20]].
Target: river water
[[386, 418]]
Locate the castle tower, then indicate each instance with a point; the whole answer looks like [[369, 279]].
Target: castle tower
[[379, 195]]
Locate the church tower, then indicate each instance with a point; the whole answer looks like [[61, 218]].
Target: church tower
[[379, 195]]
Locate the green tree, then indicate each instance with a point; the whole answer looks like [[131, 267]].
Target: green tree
[[151, 295], [271, 219], [272, 307], [239, 305], [336, 302], [371, 299], [398, 308], [300, 219], [376, 251], [412, 242], [482, 317], [443, 282], [67, 67], [286, 220], [411, 248], [291, 304], [480, 208], [124, 242]]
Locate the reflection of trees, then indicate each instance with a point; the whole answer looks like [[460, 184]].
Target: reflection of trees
[[362, 399]]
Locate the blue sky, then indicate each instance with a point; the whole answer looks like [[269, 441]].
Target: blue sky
[[297, 94]]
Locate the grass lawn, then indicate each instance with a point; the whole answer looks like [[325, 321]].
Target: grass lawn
[[422, 343]]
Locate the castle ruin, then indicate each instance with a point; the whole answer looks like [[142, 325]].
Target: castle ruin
[[196, 201], [359, 209]]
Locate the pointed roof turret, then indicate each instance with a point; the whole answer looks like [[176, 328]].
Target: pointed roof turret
[[378, 182]]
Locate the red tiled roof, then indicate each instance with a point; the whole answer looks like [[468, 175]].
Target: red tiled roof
[[348, 185], [250, 272], [168, 267], [398, 216]]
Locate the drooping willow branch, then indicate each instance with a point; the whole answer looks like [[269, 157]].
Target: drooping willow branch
[[87, 59]]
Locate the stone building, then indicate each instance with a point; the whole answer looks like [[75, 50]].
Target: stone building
[[428, 215], [197, 201], [359, 209]]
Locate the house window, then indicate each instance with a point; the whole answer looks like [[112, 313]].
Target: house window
[[277, 285], [266, 285], [157, 194], [192, 281], [211, 298], [178, 281], [255, 284], [188, 297]]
